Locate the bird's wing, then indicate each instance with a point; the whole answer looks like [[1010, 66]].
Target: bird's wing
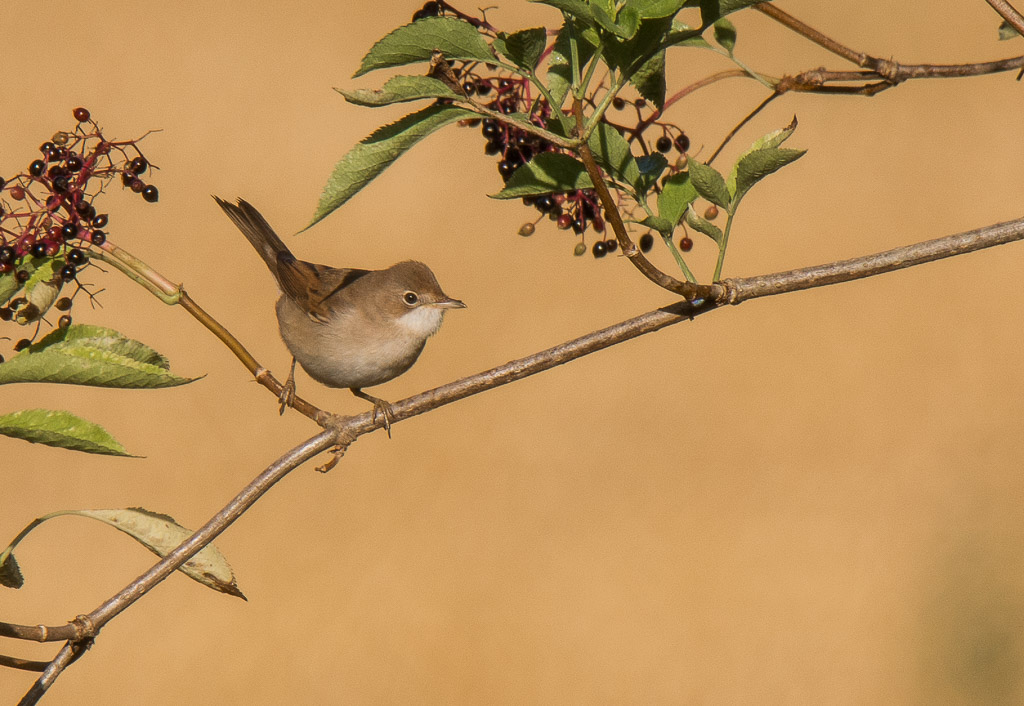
[[311, 285]]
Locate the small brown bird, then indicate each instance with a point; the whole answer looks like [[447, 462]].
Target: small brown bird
[[347, 327]]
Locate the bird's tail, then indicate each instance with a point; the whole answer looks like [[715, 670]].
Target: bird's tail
[[256, 230]]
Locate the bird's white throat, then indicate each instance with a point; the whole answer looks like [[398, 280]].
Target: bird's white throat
[[423, 321]]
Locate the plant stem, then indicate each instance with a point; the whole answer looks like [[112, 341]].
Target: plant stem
[[722, 248]]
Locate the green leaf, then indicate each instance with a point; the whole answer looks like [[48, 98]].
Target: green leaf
[[1006, 31], [106, 338], [364, 162], [772, 139], [560, 60], [90, 355], [676, 195], [703, 225], [656, 8], [455, 39], [61, 429], [709, 183], [546, 173], [712, 10], [757, 165], [399, 89], [649, 80], [612, 152], [523, 48], [157, 532], [651, 166], [725, 34], [659, 224], [623, 24]]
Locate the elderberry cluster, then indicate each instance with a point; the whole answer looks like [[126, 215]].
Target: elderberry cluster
[[515, 146], [48, 220]]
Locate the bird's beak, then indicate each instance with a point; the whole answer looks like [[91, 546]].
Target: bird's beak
[[449, 303]]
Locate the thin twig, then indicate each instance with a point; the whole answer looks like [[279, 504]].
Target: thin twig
[[262, 375], [750, 116], [27, 664]]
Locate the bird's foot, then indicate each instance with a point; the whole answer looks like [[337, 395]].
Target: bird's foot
[[287, 396], [379, 405]]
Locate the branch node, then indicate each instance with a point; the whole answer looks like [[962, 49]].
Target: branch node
[[730, 293], [44, 634], [887, 69], [341, 427], [84, 628]]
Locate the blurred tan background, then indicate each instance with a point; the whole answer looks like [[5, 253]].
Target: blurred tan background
[[815, 498]]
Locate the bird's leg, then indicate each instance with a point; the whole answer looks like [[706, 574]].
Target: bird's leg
[[378, 404], [287, 396]]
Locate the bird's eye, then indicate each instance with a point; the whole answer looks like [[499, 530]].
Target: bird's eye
[[410, 298]]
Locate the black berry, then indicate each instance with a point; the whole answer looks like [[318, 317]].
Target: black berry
[[6, 254], [505, 168], [611, 245], [22, 345], [37, 168], [22, 276], [646, 242], [63, 304], [81, 114], [138, 165], [544, 203], [664, 144], [67, 273], [618, 103], [98, 237], [64, 322], [77, 258], [682, 142], [100, 221], [74, 163], [6, 314], [599, 249], [69, 231], [38, 249]]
